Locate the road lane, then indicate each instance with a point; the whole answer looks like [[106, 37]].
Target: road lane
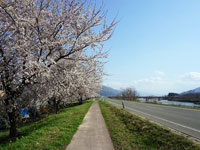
[[181, 119]]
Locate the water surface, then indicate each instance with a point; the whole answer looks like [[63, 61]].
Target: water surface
[[171, 102]]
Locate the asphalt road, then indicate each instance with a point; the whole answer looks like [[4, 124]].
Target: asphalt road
[[184, 120]]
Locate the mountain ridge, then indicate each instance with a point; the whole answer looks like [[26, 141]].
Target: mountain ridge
[[108, 91], [193, 91]]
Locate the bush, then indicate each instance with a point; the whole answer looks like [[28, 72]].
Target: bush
[[46, 109]]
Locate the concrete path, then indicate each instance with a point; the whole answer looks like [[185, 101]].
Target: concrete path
[[92, 134]]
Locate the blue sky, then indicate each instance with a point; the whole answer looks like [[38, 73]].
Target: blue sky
[[155, 47]]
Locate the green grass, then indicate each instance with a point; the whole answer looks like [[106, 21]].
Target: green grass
[[130, 132], [51, 133]]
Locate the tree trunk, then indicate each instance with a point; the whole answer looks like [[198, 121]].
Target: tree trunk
[[13, 124], [57, 108], [80, 101], [57, 104]]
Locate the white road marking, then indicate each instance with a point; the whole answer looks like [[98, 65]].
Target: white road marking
[[196, 130]]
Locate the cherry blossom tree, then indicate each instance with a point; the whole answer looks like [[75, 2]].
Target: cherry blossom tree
[[74, 78], [35, 35]]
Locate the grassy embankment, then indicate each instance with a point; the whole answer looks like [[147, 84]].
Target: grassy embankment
[[51, 133], [130, 132]]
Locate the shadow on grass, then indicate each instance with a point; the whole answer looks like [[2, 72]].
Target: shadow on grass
[[27, 130], [46, 122]]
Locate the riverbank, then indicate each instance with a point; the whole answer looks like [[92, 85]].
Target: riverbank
[[129, 132], [157, 103], [182, 106]]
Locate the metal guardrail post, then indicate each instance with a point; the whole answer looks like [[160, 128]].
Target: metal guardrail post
[[123, 105]]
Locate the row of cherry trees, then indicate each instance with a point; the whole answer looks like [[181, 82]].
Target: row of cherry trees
[[50, 50]]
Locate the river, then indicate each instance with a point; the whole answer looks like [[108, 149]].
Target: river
[[171, 102]]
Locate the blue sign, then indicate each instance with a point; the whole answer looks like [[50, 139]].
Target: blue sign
[[24, 111]]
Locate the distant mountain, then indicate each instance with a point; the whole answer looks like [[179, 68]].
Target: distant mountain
[[108, 91], [194, 91]]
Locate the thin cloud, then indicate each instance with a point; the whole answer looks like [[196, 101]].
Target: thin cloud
[[159, 73], [160, 85], [191, 76]]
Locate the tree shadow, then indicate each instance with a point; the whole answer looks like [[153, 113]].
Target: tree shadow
[[27, 129]]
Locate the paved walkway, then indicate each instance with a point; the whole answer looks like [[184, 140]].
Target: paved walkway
[[92, 134]]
